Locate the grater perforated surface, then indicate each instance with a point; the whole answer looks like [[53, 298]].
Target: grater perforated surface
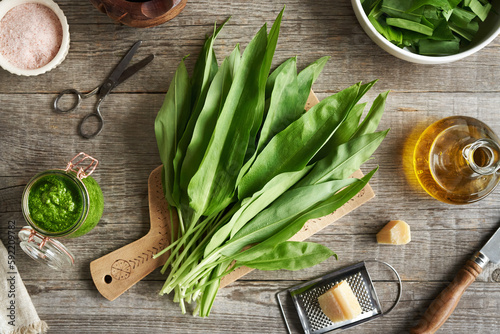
[[317, 319], [312, 318]]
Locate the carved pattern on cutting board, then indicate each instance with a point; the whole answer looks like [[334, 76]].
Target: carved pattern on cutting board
[[148, 254], [121, 269]]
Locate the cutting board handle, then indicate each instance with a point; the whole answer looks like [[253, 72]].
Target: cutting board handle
[[116, 272], [444, 304]]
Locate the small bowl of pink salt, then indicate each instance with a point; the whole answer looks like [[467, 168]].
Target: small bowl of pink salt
[[34, 36]]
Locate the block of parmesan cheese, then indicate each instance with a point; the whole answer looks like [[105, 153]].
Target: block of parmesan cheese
[[396, 232], [339, 303]]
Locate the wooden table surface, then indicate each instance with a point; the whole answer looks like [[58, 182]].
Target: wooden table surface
[[34, 138]]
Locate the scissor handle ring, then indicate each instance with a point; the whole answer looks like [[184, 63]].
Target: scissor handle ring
[[100, 121], [66, 92]]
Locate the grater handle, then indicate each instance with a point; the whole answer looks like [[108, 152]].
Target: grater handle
[[444, 304]]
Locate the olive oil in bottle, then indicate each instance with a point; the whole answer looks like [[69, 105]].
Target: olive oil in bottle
[[457, 160]]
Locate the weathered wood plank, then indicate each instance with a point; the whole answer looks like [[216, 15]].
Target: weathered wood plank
[[426, 258], [34, 138], [310, 30], [243, 307]]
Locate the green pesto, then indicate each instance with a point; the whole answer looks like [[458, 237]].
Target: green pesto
[[96, 207], [55, 203]]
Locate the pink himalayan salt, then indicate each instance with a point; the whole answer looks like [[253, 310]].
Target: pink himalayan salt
[[30, 35]]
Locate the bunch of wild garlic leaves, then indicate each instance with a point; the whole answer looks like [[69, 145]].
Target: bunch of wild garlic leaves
[[245, 167]]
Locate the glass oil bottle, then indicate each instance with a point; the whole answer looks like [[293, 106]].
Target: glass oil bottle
[[457, 160]]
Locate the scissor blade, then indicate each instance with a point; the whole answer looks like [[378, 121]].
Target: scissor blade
[[134, 69], [122, 65]]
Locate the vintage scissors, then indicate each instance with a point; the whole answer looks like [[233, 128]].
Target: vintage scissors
[[119, 75]]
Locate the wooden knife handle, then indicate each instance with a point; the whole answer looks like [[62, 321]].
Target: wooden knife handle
[[444, 304], [116, 272]]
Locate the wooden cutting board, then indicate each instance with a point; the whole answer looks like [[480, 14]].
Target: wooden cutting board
[[115, 273]]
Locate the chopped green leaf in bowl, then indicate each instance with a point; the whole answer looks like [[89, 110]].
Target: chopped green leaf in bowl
[[428, 27]]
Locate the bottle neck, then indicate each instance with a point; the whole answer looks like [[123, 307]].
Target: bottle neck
[[482, 156]]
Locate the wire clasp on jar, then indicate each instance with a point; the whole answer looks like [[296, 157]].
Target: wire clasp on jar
[[32, 235], [82, 172]]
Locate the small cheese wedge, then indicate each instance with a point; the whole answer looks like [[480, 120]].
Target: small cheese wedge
[[331, 307], [396, 232], [339, 303]]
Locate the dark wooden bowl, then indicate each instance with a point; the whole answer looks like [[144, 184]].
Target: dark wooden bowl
[[140, 14]]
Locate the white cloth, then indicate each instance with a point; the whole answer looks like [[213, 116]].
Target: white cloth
[[17, 313]]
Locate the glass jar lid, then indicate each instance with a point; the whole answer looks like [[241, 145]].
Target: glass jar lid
[[45, 250]]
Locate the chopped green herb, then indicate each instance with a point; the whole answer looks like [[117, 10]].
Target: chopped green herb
[[462, 17], [442, 32], [478, 9], [430, 47], [410, 25], [441, 4], [444, 25], [466, 32], [401, 9], [392, 35]]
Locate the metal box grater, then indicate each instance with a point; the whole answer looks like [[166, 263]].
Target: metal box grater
[[304, 298]]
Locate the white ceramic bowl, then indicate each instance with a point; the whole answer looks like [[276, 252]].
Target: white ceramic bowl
[[7, 5], [488, 30]]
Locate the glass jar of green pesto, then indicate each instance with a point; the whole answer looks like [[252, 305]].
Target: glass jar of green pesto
[[60, 203]]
